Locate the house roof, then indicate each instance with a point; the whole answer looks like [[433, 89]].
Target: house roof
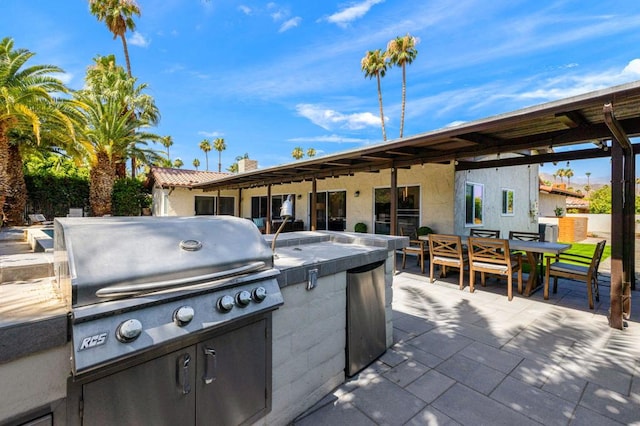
[[559, 189], [167, 177], [577, 203], [530, 133]]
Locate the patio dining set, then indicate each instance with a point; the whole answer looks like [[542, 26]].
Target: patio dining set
[[484, 252]]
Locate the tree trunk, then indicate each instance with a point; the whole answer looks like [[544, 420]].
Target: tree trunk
[[102, 178], [404, 96], [16, 198], [384, 131], [4, 160]]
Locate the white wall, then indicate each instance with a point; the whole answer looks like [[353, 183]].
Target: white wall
[[523, 180], [182, 201], [596, 223]]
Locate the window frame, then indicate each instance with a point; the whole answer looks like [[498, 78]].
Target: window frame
[[477, 217], [505, 202]]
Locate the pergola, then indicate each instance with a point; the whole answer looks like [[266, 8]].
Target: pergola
[[607, 118]]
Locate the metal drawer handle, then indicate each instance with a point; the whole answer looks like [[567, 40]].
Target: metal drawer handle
[[183, 373], [210, 365]]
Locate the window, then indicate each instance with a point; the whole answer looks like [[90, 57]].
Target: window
[[259, 206], [331, 210], [408, 209], [474, 200], [207, 205], [507, 202]]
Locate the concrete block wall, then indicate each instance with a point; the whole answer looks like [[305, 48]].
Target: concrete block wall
[[309, 341]]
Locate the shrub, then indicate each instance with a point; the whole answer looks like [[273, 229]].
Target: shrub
[[128, 197], [424, 230], [361, 227]]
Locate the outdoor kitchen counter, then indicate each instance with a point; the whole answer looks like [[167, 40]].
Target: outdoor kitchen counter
[[34, 353], [328, 251]]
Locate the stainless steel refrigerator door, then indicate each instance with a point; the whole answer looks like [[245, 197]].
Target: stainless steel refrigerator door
[[366, 321]]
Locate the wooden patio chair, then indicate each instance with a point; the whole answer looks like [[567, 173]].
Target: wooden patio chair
[[447, 251], [526, 236], [492, 255], [580, 268], [484, 233], [416, 246]]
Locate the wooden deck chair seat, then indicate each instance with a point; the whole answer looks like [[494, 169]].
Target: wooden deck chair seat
[[447, 251], [575, 267], [492, 255]]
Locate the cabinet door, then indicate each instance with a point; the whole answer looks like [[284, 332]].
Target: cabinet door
[[157, 392], [232, 376]]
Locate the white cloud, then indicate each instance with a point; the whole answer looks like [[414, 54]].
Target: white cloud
[[291, 23], [329, 119], [138, 39], [351, 13], [244, 9], [328, 139], [633, 67], [214, 134]]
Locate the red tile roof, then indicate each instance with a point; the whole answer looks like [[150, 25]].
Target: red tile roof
[[560, 189], [168, 177]]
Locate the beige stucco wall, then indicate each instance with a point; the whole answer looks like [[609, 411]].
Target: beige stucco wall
[[436, 184], [523, 180], [548, 203], [181, 201]]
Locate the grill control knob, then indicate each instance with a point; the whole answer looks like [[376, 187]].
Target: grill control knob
[[243, 298], [225, 303], [183, 315], [129, 330], [259, 294]]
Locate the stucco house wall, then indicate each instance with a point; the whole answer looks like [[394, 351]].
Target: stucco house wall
[[522, 180], [548, 203], [181, 201], [436, 182]]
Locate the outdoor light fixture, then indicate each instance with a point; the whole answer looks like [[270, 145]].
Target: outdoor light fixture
[[356, 194], [299, 196]]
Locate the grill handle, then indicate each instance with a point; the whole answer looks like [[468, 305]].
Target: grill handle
[[210, 365], [133, 289], [182, 373]]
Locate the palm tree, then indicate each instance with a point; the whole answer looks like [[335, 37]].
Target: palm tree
[[219, 146], [560, 173], [233, 168], [297, 153], [375, 64], [167, 142], [568, 174], [28, 112], [311, 152], [205, 146], [588, 187], [115, 109], [196, 163], [118, 16], [402, 51], [177, 163]]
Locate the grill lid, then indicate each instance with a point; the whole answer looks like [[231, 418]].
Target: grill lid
[[107, 258]]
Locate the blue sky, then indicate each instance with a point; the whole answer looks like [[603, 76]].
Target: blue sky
[[271, 76]]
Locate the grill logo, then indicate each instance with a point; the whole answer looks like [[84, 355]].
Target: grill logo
[[93, 341]]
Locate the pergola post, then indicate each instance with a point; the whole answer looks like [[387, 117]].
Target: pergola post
[[314, 204], [267, 226], [622, 223], [394, 201]]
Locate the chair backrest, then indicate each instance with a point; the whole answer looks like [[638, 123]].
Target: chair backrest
[[597, 256], [484, 233], [75, 212], [524, 236], [489, 250], [409, 231], [445, 245]]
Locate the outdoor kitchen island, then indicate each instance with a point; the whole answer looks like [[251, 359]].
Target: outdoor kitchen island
[[310, 329], [304, 349]]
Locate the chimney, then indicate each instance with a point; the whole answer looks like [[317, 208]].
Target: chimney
[[247, 165]]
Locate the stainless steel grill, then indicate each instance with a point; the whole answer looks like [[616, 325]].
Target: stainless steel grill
[[155, 297]]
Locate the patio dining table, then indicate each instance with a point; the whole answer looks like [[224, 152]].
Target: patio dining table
[[534, 251]]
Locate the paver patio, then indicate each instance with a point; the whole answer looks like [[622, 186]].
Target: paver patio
[[476, 358]]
